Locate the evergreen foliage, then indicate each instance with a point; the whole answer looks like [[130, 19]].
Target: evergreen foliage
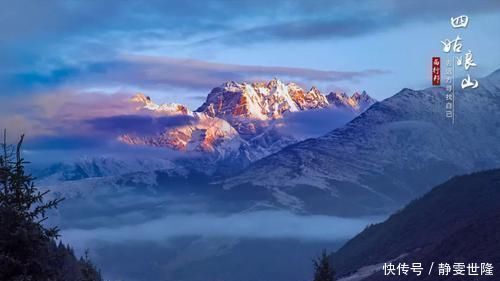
[[323, 270], [28, 251]]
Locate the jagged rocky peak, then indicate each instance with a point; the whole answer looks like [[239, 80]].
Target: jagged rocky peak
[[260, 100], [406, 132], [337, 98], [141, 98], [312, 99], [274, 83], [362, 98], [357, 101], [294, 88], [235, 113], [198, 132], [202, 137], [232, 99], [315, 99], [145, 102], [232, 86]]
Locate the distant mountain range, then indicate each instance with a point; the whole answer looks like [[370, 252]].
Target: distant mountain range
[[246, 106], [396, 150], [458, 221], [241, 120], [238, 124], [393, 152]]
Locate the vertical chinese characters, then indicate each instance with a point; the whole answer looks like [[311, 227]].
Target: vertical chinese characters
[[456, 46], [436, 71], [455, 58]]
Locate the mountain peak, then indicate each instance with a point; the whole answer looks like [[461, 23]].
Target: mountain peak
[[141, 98], [145, 102], [230, 86], [270, 100], [358, 96], [358, 102], [259, 100], [273, 83], [314, 89], [362, 98], [237, 114], [313, 99]]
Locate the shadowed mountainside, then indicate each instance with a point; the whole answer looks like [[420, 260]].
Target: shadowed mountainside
[[457, 221]]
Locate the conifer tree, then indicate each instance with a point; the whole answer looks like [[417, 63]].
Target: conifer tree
[[28, 249], [323, 270], [89, 271], [24, 240]]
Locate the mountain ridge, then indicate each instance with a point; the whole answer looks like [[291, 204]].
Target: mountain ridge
[[237, 117], [392, 152], [431, 224]]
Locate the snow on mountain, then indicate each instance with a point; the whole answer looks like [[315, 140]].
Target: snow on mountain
[[103, 166], [216, 141], [250, 108], [258, 101], [145, 102], [201, 133], [237, 119], [361, 101], [392, 152], [268, 101], [240, 123], [313, 99], [270, 141], [357, 102]]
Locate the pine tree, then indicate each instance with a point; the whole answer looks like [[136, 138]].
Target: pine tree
[[24, 240], [89, 271], [28, 249], [323, 270]]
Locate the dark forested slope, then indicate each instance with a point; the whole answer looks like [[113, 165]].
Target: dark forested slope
[[458, 221]]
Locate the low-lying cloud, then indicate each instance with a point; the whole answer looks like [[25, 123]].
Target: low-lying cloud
[[315, 123], [261, 224], [137, 124]]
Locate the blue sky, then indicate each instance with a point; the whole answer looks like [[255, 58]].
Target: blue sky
[[176, 51]]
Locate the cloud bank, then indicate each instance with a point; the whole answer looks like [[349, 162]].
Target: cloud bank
[[263, 225], [168, 73]]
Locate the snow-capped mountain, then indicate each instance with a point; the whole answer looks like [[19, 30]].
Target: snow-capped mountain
[[239, 123], [238, 120], [313, 99], [258, 101], [250, 107], [199, 132], [209, 136], [357, 102], [104, 166], [392, 152], [145, 102]]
